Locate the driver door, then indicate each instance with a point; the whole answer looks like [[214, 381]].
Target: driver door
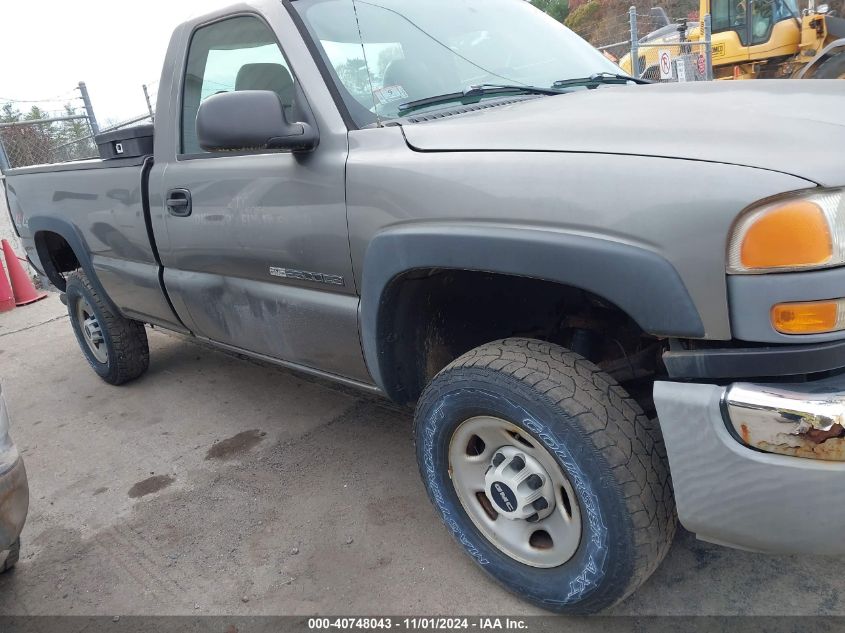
[[254, 244]]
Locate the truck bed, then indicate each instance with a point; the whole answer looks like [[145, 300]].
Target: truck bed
[[105, 203]]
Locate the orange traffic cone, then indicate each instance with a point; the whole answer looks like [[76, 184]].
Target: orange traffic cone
[[22, 287], [7, 298]]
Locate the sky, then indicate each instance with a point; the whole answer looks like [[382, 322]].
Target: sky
[[115, 46]]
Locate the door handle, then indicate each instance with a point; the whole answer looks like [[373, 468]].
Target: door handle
[[179, 202]]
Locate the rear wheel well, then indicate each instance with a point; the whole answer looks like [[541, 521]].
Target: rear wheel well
[[430, 317], [57, 257]]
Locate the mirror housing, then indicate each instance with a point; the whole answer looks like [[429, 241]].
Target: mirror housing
[[248, 120]]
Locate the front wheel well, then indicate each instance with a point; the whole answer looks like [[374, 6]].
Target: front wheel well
[[430, 317], [57, 257]]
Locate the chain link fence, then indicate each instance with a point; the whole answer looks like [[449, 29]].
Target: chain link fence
[[649, 43], [50, 140], [43, 141], [611, 34], [43, 136], [675, 52]]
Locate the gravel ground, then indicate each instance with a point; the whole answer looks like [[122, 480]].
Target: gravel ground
[[216, 485]]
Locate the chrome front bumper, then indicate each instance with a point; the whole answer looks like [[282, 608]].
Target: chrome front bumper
[[797, 421], [729, 491]]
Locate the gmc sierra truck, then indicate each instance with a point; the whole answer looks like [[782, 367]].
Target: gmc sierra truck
[[582, 283]]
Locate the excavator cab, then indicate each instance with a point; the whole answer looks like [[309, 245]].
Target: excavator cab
[[752, 30], [753, 21]]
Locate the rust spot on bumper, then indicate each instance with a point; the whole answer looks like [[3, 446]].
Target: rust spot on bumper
[[789, 420], [826, 445]]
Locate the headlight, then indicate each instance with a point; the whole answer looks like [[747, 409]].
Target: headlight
[[797, 233]]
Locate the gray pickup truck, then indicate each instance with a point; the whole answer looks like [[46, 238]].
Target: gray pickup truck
[[582, 283]]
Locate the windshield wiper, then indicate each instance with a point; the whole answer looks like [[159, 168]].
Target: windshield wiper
[[474, 91], [597, 79]]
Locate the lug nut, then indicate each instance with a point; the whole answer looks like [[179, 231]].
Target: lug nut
[[540, 504], [533, 518], [498, 458], [518, 463], [534, 482]]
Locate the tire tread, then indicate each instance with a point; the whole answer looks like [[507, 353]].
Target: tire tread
[[128, 337], [631, 442]]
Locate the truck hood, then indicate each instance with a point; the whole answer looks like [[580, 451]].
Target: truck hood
[[791, 126]]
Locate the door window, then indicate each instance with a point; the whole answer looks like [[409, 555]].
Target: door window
[[762, 20], [239, 53], [766, 13], [731, 15]]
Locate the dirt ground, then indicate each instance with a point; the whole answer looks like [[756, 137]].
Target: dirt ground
[[216, 485]]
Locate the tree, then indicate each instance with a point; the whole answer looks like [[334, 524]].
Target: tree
[[386, 56], [70, 139], [585, 18], [558, 9], [353, 74], [43, 142], [9, 114]]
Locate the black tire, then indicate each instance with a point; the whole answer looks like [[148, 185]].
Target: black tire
[[12, 556], [611, 452], [832, 68], [125, 340]]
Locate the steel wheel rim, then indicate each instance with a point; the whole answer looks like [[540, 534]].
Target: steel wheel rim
[[548, 542], [92, 332]]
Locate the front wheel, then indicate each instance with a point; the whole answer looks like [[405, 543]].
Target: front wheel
[[547, 473]]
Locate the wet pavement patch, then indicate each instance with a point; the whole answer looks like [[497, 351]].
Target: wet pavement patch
[[150, 485], [100, 491], [235, 445]]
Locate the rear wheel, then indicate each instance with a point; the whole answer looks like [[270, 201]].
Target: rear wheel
[[547, 473], [114, 346], [832, 68]]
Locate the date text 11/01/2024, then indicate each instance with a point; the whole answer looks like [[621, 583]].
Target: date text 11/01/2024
[[418, 623]]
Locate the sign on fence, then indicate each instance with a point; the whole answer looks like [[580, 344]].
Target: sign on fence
[[669, 52], [665, 63], [681, 66]]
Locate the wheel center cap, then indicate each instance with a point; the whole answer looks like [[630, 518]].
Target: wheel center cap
[[91, 328], [518, 486], [503, 496]]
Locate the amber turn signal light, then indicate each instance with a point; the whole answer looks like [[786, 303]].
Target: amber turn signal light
[[809, 317]]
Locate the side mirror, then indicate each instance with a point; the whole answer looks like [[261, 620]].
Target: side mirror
[[250, 119]]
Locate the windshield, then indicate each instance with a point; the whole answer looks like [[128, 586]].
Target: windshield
[[398, 51]]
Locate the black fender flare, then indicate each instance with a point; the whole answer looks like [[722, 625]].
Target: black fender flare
[[640, 282], [63, 228]]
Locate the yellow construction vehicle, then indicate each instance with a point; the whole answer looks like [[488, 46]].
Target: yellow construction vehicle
[[754, 39]]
